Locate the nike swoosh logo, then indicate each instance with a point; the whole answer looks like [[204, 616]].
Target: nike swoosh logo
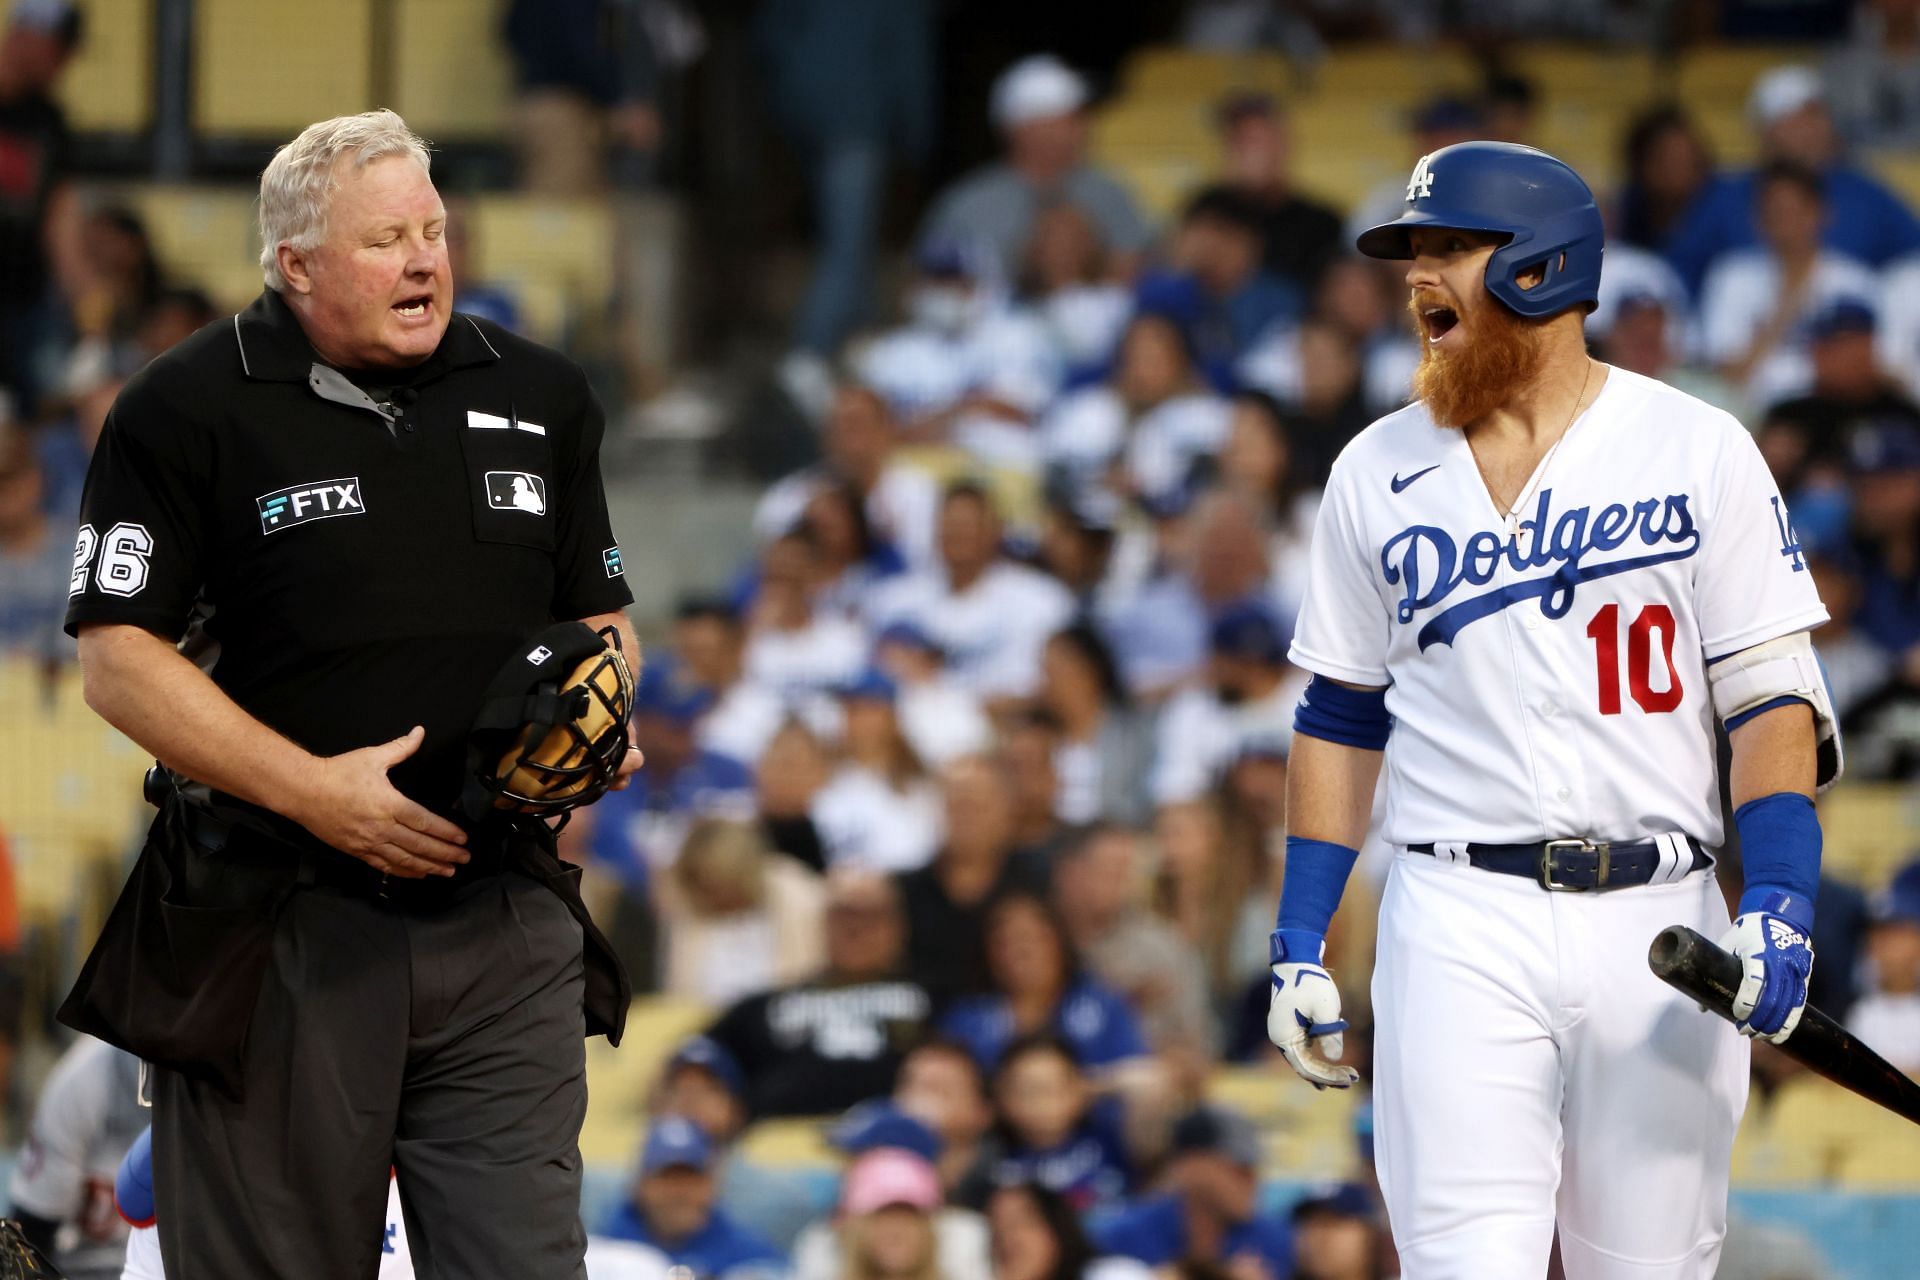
[[1399, 484]]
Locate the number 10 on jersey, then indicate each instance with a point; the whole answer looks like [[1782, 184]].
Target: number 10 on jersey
[[1604, 631]]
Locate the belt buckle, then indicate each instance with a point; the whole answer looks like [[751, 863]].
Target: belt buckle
[[1549, 864]]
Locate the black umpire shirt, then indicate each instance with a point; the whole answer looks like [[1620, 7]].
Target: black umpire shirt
[[346, 567]]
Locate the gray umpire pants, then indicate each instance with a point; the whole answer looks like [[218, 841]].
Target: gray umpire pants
[[445, 1044]]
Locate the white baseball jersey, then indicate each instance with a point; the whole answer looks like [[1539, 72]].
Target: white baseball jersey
[[1552, 683]]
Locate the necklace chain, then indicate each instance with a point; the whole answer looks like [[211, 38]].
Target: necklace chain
[[1540, 471]]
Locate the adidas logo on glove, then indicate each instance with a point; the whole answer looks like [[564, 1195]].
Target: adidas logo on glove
[[1784, 935]]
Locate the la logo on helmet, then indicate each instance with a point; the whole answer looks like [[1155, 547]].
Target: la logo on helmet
[[1421, 184]]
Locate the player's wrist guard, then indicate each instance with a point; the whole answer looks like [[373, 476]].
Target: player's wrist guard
[[1780, 852], [1315, 877]]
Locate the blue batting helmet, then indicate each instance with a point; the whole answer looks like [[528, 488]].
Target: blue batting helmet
[[1542, 206]]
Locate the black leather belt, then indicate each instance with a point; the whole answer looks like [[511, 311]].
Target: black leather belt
[[239, 838], [1579, 865]]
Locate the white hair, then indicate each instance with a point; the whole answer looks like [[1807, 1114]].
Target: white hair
[[296, 188]]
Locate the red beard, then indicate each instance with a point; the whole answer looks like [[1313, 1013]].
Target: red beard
[[1501, 354]]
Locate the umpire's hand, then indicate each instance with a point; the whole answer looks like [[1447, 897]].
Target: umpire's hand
[[354, 808]]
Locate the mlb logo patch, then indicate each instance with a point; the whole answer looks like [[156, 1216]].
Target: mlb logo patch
[[612, 558], [304, 503], [539, 655], [517, 491]]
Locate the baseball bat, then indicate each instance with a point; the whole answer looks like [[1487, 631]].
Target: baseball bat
[[1688, 962]]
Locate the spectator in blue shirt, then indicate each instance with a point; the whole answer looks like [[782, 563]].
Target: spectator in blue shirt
[[1037, 986], [1210, 1212], [640, 828], [673, 1206], [1885, 464], [1053, 1131], [1218, 288], [1865, 220]]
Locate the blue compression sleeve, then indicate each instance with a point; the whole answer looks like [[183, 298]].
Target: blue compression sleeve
[[1350, 717], [1780, 847], [1316, 876]]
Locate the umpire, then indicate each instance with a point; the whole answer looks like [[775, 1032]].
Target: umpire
[[311, 535]]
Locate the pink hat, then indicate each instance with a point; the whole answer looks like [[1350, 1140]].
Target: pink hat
[[889, 1176]]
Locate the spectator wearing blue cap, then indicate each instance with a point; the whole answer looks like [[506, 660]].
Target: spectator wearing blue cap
[[1105, 743], [1209, 1212], [1337, 1235], [989, 616], [1250, 691], [1756, 303], [1849, 386], [1887, 1016], [638, 831], [880, 811], [673, 1205], [1864, 220], [1039, 107], [1144, 428], [1885, 475], [1038, 986], [968, 366]]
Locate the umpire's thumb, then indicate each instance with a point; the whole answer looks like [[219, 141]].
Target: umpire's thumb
[[389, 754]]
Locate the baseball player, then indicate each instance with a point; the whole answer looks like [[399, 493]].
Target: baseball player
[[1542, 582]]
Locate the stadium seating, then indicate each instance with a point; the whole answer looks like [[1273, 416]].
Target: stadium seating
[[452, 78], [269, 68], [109, 86], [1867, 830], [1901, 171]]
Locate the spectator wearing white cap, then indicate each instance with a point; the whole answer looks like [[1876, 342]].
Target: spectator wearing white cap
[[1788, 110], [1039, 108]]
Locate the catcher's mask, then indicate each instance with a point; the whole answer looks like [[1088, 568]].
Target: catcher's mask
[[552, 727]]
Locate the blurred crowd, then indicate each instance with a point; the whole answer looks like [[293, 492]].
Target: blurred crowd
[[964, 800]]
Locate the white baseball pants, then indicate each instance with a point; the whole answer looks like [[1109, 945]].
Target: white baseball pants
[[1530, 1070]]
